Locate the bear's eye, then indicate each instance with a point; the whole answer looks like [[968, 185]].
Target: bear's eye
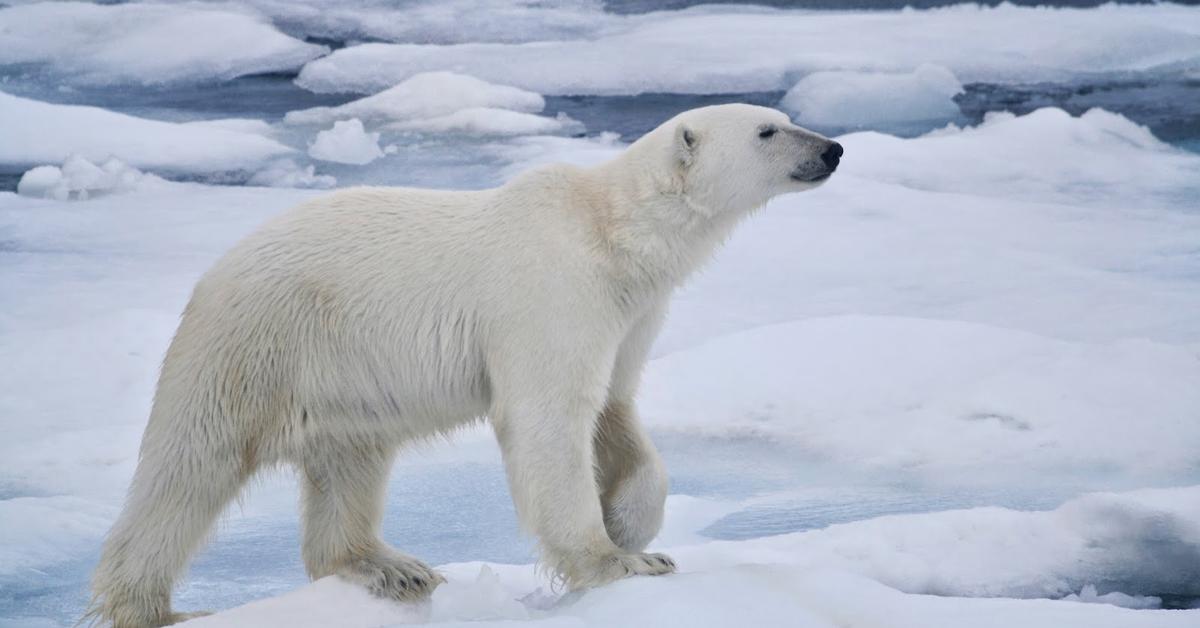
[[767, 132]]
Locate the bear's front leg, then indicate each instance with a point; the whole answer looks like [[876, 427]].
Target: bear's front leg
[[633, 482], [544, 414]]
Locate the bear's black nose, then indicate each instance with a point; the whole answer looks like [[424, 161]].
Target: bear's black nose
[[832, 155]]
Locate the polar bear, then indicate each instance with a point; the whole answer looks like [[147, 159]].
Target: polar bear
[[376, 316]]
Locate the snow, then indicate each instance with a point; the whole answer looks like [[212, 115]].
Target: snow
[[80, 179], [347, 142], [487, 121], [38, 133], [1090, 595], [441, 21], [423, 96], [286, 173], [703, 51], [878, 572], [858, 99], [1106, 156], [939, 396], [144, 43]]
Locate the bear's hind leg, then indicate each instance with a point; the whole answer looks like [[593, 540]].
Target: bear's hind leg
[[344, 493], [182, 483]]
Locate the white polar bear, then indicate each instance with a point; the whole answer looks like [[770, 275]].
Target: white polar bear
[[375, 316]]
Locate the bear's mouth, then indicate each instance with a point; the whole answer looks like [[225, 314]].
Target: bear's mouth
[[812, 178]]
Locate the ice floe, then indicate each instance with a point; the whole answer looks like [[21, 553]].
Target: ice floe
[[728, 49], [144, 43], [423, 96], [857, 99], [37, 133]]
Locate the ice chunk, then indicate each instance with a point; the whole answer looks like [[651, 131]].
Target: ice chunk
[[145, 43], [426, 95], [347, 143], [43, 181], [1089, 594], [704, 50], [80, 179], [38, 133], [858, 99], [489, 121], [286, 173]]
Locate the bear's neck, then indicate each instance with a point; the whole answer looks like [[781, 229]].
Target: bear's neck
[[657, 234]]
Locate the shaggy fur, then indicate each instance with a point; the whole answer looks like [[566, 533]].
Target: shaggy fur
[[375, 316]]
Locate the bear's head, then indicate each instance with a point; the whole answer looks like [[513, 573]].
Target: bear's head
[[734, 158]]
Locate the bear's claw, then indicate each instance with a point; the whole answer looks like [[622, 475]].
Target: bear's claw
[[396, 577]]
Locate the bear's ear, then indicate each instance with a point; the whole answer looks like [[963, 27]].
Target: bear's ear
[[686, 141]]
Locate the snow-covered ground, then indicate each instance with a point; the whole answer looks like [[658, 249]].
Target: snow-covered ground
[[956, 385]]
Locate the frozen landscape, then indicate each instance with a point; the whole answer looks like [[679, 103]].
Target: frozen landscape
[[958, 385]]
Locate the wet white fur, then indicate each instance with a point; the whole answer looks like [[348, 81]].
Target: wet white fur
[[375, 316]]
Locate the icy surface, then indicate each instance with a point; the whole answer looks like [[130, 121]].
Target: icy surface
[[346, 142], [705, 50], [858, 99], [38, 133], [851, 574], [144, 43]]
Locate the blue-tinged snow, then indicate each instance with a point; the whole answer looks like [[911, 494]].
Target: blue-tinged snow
[[956, 385]]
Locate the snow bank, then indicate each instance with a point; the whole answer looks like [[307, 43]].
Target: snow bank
[[145, 43], [857, 99], [868, 573], [347, 143], [1044, 155], [704, 50], [887, 392], [423, 96], [80, 179], [39, 133]]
